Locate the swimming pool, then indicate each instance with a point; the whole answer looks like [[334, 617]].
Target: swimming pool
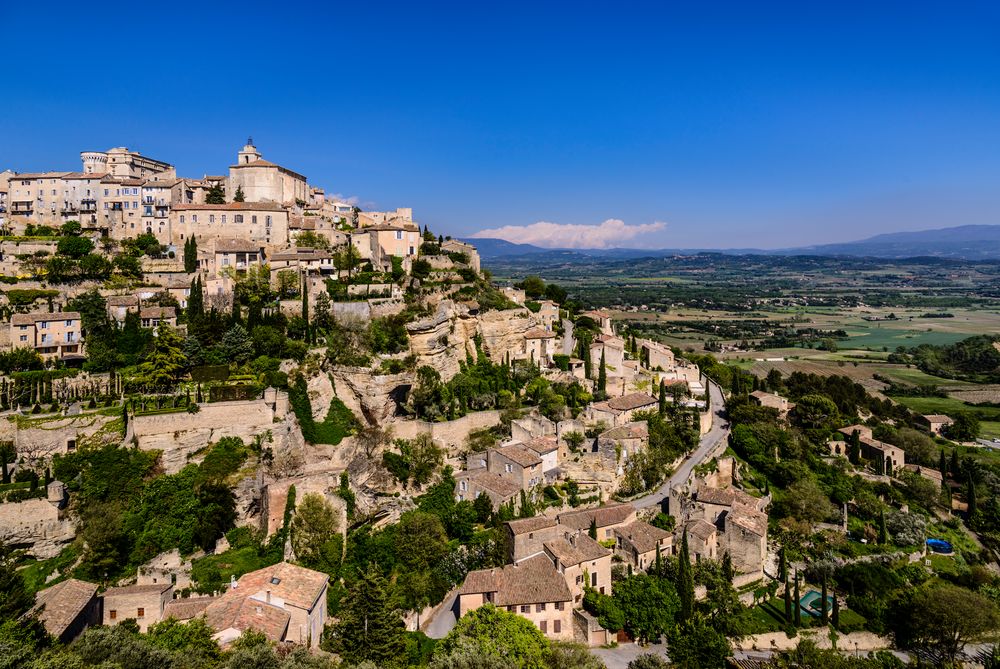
[[812, 603], [940, 546]]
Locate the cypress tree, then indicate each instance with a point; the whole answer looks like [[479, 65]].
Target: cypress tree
[[685, 582], [824, 606], [836, 611], [6, 472], [663, 398], [370, 627], [782, 565], [727, 567], [788, 601], [954, 463], [305, 306], [943, 465], [659, 561], [196, 301], [124, 419], [883, 533], [593, 528], [854, 448], [602, 377], [970, 495], [798, 605]]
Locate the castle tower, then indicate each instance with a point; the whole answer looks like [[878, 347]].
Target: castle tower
[[248, 154]]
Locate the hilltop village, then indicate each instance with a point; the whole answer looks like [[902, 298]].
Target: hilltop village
[[234, 406]]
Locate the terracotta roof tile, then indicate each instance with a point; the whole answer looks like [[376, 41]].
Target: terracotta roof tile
[[531, 581], [62, 603], [577, 549], [526, 525], [610, 514], [642, 536], [520, 455], [631, 402]]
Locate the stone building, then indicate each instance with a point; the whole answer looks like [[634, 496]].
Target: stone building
[[532, 588], [607, 518], [263, 181], [68, 608], [284, 601], [262, 222], [527, 536], [142, 603], [582, 562], [619, 411], [638, 543], [52, 335]]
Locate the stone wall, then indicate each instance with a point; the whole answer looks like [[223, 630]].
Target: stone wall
[[35, 525], [180, 435], [450, 434]]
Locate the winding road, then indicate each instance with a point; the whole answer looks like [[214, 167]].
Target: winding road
[[707, 445]]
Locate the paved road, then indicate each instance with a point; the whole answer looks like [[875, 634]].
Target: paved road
[[442, 622], [719, 432]]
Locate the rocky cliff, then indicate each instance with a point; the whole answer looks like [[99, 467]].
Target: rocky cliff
[[503, 331], [443, 340]]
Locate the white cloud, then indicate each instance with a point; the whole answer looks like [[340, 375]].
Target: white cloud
[[352, 200], [609, 234]]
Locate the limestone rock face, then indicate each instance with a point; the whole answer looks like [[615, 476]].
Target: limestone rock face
[[372, 397], [320, 389], [442, 341], [503, 331], [37, 526]]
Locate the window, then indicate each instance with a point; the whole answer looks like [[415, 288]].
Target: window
[[512, 609], [543, 625], [140, 612], [69, 323], [194, 218], [43, 325], [559, 607], [593, 580], [253, 219], [24, 337], [223, 219], [399, 234], [508, 468], [211, 218], [556, 626], [182, 218], [112, 614], [237, 218], [267, 221], [525, 608], [539, 607]]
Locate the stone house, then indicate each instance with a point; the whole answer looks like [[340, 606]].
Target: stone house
[[607, 518], [237, 254], [530, 427], [532, 588], [500, 489], [655, 355], [52, 335], [119, 305], [402, 240], [935, 423], [619, 411], [603, 320], [703, 540], [637, 543], [262, 222], [516, 463], [527, 536], [617, 445], [546, 448], [151, 317], [142, 603], [540, 346], [613, 350], [515, 295], [66, 609], [547, 314], [284, 601], [582, 561], [772, 401]]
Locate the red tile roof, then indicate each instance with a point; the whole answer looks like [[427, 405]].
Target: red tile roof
[[531, 581]]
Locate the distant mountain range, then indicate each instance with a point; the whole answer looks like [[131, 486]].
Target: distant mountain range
[[965, 242]]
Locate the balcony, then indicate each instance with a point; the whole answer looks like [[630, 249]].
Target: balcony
[[88, 206], [22, 207], [69, 208]]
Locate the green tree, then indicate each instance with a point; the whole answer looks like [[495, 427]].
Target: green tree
[[370, 628], [322, 319], [239, 196], [191, 255], [602, 379], [15, 598], [494, 633], [965, 428], [649, 604], [313, 526], [237, 344], [74, 247], [946, 617], [697, 645], [685, 581], [216, 194], [166, 362], [196, 300], [648, 661], [193, 639], [593, 529]]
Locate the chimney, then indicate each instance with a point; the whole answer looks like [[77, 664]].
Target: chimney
[[232, 581], [267, 596]]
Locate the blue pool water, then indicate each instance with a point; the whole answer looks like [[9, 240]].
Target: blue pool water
[[811, 603], [940, 546]]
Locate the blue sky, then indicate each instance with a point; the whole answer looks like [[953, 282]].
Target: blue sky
[[695, 124]]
